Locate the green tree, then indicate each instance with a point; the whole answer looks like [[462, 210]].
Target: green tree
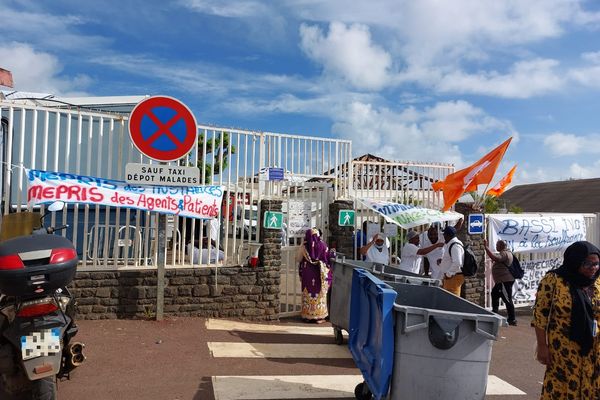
[[220, 151]]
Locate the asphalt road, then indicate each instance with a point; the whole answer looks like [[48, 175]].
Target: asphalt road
[[133, 360]]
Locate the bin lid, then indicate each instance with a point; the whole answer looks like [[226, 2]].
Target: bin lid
[[371, 338]]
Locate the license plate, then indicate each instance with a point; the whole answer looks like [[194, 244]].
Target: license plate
[[40, 344]]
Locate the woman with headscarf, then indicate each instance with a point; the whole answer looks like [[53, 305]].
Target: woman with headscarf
[[314, 269], [565, 318]]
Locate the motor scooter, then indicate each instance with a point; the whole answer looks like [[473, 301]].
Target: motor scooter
[[37, 311]]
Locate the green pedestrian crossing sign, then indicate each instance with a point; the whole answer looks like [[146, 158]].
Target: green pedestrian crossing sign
[[346, 218], [273, 220]]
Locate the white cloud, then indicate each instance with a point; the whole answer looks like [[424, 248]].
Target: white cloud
[[39, 71], [48, 31], [349, 52], [229, 9], [582, 172], [568, 144], [525, 79], [203, 78], [430, 134], [588, 75]]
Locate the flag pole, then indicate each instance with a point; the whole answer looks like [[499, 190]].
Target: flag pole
[[483, 195]]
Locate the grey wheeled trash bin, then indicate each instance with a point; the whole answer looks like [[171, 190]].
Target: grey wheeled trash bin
[[339, 308], [439, 345]]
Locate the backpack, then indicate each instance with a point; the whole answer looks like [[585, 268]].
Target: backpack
[[469, 267], [515, 268]]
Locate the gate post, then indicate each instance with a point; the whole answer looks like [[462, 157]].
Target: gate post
[[474, 287], [270, 256], [340, 236], [271, 238]]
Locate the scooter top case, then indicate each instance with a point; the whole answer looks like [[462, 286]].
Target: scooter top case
[[36, 264]]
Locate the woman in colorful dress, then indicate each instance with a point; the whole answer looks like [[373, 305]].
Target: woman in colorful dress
[[314, 269], [566, 316]]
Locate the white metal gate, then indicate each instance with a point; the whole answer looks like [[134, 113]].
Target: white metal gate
[[305, 206], [77, 141]]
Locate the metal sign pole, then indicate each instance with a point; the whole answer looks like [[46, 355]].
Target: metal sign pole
[[160, 264]]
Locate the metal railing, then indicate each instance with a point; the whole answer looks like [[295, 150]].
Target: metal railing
[[81, 142]]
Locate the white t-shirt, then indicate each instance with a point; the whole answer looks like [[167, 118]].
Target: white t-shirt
[[381, 257], [211, 255], [410, 261], [433, 255], [451, 263]]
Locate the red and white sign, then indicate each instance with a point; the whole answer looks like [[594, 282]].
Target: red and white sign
[[163, 128], [202, 202]]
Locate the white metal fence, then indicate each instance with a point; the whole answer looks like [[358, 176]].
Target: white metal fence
[[98, 144], [401, 182]]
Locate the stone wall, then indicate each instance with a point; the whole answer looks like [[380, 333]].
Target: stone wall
[[474, 287], [224, 292], [240, 292], [340, 237]]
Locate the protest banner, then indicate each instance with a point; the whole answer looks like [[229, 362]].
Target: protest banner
[[526, 288], [202, 202], [409, 216], [539, 233]]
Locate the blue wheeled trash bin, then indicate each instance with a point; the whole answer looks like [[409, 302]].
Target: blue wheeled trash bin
[[418, 342], [341, 288]]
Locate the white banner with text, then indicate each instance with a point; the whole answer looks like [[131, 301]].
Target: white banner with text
[[409, 216], [537, 233], [202, 202]]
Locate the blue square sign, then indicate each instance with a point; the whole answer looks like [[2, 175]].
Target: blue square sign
[[475, 226]]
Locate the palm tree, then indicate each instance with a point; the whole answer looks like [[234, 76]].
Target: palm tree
[[220, 150]]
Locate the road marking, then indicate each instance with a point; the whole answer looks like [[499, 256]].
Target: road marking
[[312, 386], [284, 387], [225, 325], [497, 386], [277, 350]]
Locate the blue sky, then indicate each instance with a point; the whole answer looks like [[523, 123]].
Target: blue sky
[[426, 80]]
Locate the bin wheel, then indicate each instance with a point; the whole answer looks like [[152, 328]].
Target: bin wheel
[[337, 334], [362, 392]]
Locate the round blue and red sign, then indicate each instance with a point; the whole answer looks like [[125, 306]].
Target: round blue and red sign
[[163, 128]]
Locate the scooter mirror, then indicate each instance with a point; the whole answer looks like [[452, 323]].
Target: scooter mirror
[[56, 206]]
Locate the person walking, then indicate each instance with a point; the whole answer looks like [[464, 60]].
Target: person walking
[[314, 270], [565, 318], [411, 256], [452, 261], [503, 279]]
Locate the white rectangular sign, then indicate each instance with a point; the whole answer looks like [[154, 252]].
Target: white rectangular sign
[[537, 233], [299, 217], [201, 202], [162, 175]]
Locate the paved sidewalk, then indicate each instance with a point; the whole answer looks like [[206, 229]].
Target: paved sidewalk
[[171, 360]]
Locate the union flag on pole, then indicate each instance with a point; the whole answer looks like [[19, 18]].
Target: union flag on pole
[[467, 179], [504, 182], [6, 78]]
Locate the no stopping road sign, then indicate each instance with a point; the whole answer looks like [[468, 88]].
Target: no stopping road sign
[[163, 128]]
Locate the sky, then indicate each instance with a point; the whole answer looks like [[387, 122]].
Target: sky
[[428, 80]]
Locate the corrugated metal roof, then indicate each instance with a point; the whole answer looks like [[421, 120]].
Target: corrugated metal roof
[[578, 196]]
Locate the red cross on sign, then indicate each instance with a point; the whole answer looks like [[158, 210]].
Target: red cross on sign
[[163, 128]]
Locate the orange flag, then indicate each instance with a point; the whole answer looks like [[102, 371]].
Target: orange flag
[[467, 179], [504, 182]]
